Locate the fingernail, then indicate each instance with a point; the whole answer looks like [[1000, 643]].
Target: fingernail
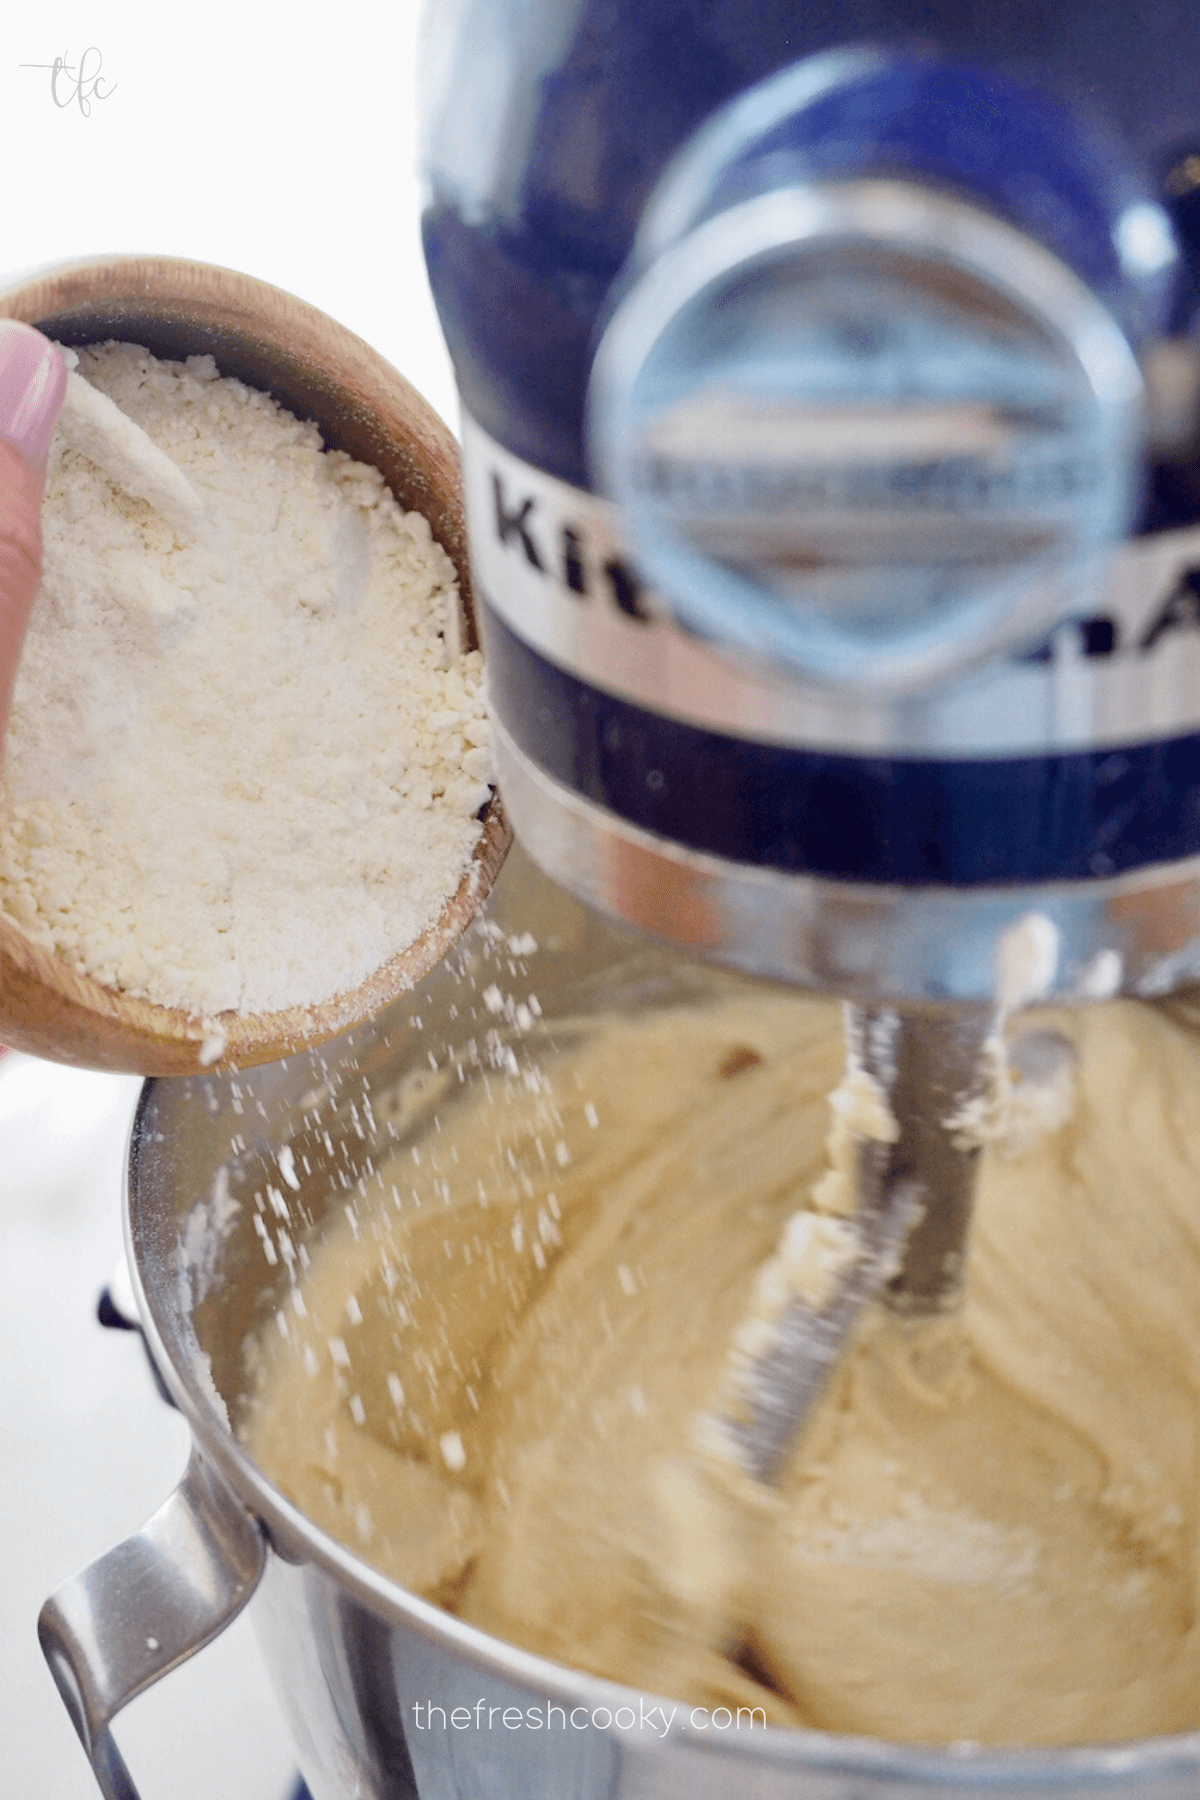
[[33, 380]]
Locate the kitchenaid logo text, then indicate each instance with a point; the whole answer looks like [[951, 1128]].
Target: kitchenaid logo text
[[653, 1716], [954, 484], [1121, 665], [1102, 635], [564, 553]]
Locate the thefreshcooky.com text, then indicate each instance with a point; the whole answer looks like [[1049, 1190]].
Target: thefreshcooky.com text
[[652, 1716]]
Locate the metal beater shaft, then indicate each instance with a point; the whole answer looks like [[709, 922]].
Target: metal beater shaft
[[931, 1065], [915, 1200]]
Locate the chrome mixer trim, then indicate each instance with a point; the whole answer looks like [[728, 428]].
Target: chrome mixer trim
[[881, 563], [1135, 934]]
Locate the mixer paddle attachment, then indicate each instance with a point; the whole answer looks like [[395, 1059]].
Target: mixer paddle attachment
[[912, 1080], [934, 1066]]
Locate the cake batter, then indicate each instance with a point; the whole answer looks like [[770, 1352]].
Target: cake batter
[[989, 1530]]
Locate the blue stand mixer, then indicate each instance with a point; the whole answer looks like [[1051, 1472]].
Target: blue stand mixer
[[831, 424]]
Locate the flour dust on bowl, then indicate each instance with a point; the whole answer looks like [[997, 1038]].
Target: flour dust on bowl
[[396, 1662], [245, 791]]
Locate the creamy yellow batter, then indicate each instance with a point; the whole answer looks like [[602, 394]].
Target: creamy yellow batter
[[989, 1530]]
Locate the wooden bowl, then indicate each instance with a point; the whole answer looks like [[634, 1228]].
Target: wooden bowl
[[319, 371]]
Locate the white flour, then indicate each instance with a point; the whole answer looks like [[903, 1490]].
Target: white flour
[[244, 762]]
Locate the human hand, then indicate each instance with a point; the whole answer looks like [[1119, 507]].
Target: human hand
[[33, 379]]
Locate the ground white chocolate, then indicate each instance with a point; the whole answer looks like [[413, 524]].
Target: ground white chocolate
[[247, 752], [990, 1530]]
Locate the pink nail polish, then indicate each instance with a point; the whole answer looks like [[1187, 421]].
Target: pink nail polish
[[33, 380]]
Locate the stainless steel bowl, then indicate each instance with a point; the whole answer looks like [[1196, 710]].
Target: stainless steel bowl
[[352, 1653]]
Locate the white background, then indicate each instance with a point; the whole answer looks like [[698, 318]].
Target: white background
[[279, 141]]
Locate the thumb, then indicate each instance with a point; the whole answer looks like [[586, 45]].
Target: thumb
[[33, 380]]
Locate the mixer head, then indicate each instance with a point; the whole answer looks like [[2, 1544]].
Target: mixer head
[[857, 668]]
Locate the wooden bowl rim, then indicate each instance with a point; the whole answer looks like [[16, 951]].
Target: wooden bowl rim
[[49, 1009]]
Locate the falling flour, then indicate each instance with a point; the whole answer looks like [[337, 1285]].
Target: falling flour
[[246, 756]]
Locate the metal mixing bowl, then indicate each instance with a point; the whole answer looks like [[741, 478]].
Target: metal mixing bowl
[[351, 1652]]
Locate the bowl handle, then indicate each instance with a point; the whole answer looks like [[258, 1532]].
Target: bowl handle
[[136, 1613]]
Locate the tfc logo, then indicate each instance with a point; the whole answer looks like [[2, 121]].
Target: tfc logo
[[85, 85]]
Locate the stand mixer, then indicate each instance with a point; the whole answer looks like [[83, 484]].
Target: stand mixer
[[830, 443], [830, 431]]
